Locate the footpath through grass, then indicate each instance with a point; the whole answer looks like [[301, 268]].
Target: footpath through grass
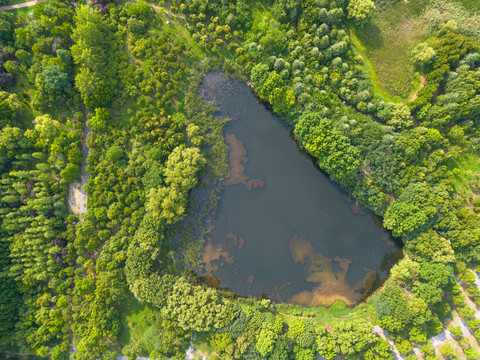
[[385, 45]]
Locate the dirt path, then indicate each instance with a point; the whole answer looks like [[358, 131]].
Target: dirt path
[[84, 179], [22, 5], [423, 79], [377, 330]]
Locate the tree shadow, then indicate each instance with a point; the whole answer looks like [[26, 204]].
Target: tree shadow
[[371, 36], [129, 305]]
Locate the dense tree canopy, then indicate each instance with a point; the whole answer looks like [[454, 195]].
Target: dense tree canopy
[[119, 278]]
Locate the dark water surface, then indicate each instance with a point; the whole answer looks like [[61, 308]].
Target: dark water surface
[[282, 227]]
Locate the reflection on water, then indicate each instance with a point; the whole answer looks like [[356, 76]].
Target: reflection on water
[[330, 282], [282, 227], [237, 158]]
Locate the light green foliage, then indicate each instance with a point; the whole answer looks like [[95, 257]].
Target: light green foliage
[[266, 340], [169, 203], [100, 119], [471, 353], [221, 341], [447, 351], [455, 330], [278, 324], [46, 128], [404, 218], [423, 55], [273, 81], [182, 167], [334, 151], [193, 133], [405, 272], [303, 353], [8, 108], [115, 154], [429, 246], [400, 117], [403, 346], [348, 338], [418, 335], [70, 173], [468, 276], [11, 141], [195, 308], [281, 99], [384, 350], [361, 11], [305, 339], [396, 309], [259, 75], [295, 327]]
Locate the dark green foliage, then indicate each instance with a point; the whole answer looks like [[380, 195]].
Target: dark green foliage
[[95, 54], [56, 78]]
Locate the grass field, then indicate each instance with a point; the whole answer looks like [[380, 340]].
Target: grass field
[[387, 42], [466, 172]]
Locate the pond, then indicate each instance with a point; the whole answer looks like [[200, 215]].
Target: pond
[[282, 228]]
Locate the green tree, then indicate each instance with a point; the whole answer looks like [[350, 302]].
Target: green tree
[[400, 117], [429, 246], [70, 173], [404, 218], [259, 74], [195, 308], [115, 154], [168, 204], [46, 130], [334, 151], [99, 120], [6, 113], [361, 11], [422, 55], [266, 340], [405, 272], [56, 78], [95, 52], [448, 352]]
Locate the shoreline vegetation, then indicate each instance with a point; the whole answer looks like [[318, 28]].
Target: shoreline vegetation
[[122, 281]]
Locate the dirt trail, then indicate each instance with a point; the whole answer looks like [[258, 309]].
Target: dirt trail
[[22, 5], [423, 79]]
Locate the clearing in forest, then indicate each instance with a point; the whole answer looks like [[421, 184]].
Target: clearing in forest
[[387, 42]]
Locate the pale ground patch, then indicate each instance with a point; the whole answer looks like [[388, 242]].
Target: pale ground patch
[[74, 198]]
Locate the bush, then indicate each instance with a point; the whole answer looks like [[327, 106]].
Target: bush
[[70, 173], [115, 154]]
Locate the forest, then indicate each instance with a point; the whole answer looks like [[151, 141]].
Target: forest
[[395, 120]]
